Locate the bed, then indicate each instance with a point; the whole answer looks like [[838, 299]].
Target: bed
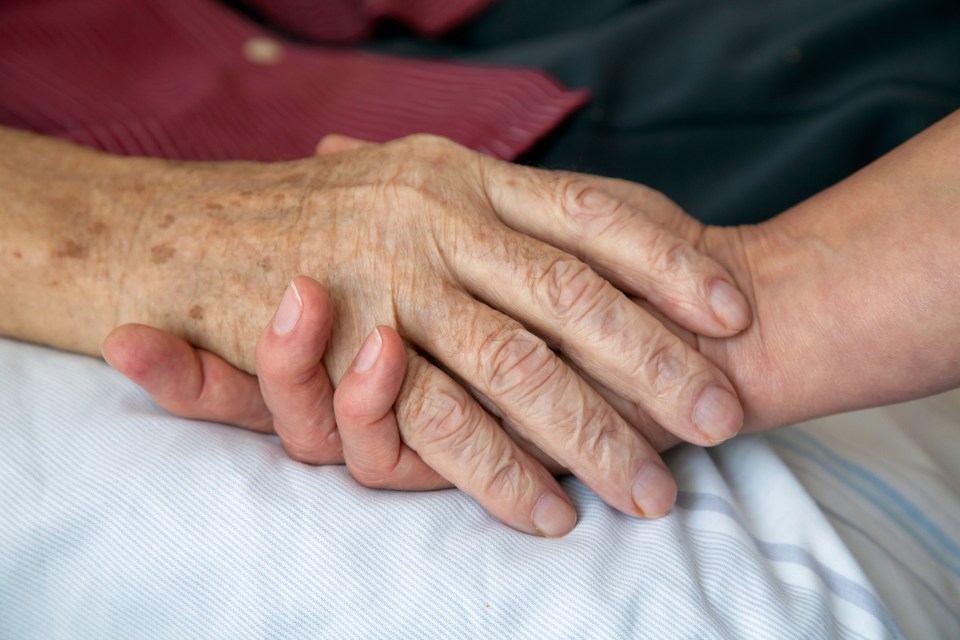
[[120, 521]]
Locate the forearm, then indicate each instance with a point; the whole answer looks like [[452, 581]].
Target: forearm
[[92, 240], [858, 290], [68, 219]]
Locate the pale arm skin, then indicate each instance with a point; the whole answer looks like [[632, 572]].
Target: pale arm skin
[[420, 235], [855, 291], [856, 294]]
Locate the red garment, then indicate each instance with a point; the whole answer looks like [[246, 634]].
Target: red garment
[[191, 79], [352, 20]]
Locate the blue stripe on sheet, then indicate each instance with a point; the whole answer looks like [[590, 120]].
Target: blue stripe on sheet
[[930, 591], [881, 494], [149, 526], [807, 603], [841, 586]]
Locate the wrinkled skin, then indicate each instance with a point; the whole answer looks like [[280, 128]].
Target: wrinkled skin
[[428, 238], [822, 280]]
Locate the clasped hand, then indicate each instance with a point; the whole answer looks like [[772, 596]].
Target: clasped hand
[[512, 321]]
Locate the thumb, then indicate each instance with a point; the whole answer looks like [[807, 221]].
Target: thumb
[[293, 380]]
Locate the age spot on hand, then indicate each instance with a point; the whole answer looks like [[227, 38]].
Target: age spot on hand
[[161, 253], [69, 249]]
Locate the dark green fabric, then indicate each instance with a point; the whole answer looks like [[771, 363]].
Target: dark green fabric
[[737, 109]]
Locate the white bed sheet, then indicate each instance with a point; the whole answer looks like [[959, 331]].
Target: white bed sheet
[[119, 521]]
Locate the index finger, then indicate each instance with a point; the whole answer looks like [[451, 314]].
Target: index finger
[[636, 253]]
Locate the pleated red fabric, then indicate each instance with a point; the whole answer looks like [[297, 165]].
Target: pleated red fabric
[[352, 20], [191, 79]]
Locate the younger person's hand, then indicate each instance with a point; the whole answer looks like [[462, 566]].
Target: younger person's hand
[[292, 395]]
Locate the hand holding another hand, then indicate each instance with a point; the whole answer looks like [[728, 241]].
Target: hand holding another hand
[[429, 238], [292, 395]]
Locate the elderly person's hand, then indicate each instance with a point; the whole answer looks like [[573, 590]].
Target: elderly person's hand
[[426, 237], [823, 279]]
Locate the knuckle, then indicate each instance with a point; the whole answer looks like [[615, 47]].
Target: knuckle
[[583, 202], [668, 254], [571, 288], [508, 480], [593, 434], [569, 421], [441, 416], [666, 369], [515, 364], [604, 444]]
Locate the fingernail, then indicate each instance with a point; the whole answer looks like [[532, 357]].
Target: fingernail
[[718, 415], [654, 490], [288, 313], [553, 516], [369, 352], [729, 305]]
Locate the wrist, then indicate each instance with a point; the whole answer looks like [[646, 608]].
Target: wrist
[[853, 291], [65, 236], [764, 262]]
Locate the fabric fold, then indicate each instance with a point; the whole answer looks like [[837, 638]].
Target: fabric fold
[[193, 80]]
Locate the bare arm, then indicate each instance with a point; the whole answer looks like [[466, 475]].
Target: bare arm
[[68, 217], [856, 291]]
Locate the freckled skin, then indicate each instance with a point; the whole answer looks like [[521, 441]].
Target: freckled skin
[[70, 215], [162, 253], [196, 312], [69, 249]]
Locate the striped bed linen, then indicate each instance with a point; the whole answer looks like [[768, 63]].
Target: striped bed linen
[[888, 481], [123, 522]]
